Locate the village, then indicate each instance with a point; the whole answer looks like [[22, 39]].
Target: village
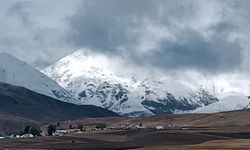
[[131, 133], [57, 130]]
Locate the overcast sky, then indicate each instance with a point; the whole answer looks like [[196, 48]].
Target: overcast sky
[[210, 36]]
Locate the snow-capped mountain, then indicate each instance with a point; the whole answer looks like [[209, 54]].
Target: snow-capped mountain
[[93, 84], [228, 102], [17, 72], [89, 77]]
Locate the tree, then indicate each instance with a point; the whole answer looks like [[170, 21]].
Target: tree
[[80, 126], [58, 124], [26, 129], [100, 126], [21, 132], [51, 129], [70, 126], [35, 131]]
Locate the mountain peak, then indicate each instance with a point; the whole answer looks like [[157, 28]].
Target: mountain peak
[[16, 72], [79, 63], [89, 77]]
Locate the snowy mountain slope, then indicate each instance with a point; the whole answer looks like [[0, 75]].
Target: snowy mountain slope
[[94, 84], [230, 101], [89, 77], [16, 72]]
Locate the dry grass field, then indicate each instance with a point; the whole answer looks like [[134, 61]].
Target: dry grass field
[[227, 130]]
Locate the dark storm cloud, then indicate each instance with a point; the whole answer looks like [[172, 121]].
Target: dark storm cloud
[[116, 27], [167, 34], [110, 25], [105, 25], [192, 51]]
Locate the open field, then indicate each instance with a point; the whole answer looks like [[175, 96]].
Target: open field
[[135, 139], [229, 130]]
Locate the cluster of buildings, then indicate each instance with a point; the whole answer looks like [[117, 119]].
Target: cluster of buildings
[[130, 126], [62, 132], [13, 136]]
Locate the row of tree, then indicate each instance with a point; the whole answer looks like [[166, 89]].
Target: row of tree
[[36, 131]]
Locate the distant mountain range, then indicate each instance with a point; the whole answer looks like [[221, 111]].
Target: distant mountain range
[[91, 81], [26, 95], [85, 79]]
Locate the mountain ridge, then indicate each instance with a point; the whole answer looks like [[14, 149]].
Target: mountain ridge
[[22, 102], [88, 77], [17, 72]]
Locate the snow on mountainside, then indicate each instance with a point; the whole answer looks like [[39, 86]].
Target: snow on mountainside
[[89, 77], [17, 72], [230, 101], [94, 84]]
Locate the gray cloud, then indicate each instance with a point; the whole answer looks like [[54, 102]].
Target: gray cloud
[[108, 25], [35, 31], [19, 9], [118, 27], [166, 34], [193, 51]]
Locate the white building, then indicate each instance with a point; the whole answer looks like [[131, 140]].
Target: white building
[[159, 128]]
